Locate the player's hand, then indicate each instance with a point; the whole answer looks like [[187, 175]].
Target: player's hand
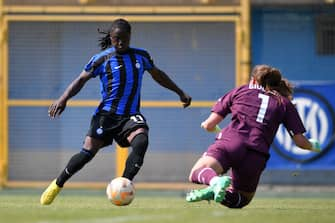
[[56, 108], [186, 100], [315, 145]]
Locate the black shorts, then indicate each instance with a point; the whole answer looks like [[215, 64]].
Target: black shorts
[[108, 127]]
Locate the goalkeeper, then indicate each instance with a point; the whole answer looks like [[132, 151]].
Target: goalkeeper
[[257, 110]]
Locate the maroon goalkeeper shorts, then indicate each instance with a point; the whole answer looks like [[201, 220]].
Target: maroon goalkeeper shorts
[[246, 164]]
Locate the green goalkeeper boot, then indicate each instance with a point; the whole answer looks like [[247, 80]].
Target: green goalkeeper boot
[[216, 191], [219, 187], [200, 195]]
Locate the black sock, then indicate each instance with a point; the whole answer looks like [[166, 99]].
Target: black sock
[[135, 158], [76, 162]]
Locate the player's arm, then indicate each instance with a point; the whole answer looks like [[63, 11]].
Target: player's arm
[[218, 112], [211, 123], [296, 128], [308, 144], [58, 106], [164, 80]]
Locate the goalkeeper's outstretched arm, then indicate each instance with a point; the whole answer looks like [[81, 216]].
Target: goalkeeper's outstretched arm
[[309, 144]]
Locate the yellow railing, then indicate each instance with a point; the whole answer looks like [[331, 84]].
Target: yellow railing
[[92, 103], [3, 98], [124, 10]]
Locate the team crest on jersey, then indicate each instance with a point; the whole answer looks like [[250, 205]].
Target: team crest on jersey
[[319, 120], [137, 65]]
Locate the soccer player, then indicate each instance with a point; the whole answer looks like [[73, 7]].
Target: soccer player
[[257, 109], [120, 69]]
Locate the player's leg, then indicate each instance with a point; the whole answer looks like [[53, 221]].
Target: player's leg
[[79, 160], [93, 142], [76, 162], [206, 171], [138, 140], [133, 131], [202, 172]]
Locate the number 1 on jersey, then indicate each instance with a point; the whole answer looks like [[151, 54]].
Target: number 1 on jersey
[[262, 109]]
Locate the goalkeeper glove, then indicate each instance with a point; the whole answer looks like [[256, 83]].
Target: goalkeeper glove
[[315, 145], [217, 128]]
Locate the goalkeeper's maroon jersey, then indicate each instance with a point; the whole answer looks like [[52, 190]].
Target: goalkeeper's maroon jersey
[[256, 116]]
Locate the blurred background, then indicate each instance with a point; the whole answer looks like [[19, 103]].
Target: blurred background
[[206, 46]]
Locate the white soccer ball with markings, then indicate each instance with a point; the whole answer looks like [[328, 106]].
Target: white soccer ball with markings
[[120, 191]]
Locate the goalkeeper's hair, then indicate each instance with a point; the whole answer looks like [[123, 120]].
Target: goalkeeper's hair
[[285, 88], [105, 41], [271, 78]]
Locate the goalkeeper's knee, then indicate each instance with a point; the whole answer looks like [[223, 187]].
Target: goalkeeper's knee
[[234, 199]]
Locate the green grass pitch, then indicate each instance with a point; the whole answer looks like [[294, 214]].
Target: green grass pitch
[[92, 206]]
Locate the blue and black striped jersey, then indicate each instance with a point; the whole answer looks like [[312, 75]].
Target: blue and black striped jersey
[[121, 78]]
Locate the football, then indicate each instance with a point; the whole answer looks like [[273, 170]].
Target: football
[[120, 191]]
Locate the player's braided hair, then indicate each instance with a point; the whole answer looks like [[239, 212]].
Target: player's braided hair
[[105, 41], [271, 78]]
